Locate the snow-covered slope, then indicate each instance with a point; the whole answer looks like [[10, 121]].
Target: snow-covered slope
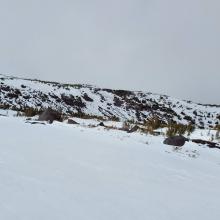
[[63, 171], [17, 94]]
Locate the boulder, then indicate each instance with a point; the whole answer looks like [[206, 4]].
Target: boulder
[[177, 141], [101, 124], [72, 122], [50, 115]]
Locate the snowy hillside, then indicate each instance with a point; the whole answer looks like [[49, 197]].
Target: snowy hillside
[[17, 94], [62, 171]]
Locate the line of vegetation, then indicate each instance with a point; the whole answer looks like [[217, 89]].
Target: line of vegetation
[[174, 129]]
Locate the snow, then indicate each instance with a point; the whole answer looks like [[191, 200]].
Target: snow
[[103, 103], [63, 171], [4, 112]]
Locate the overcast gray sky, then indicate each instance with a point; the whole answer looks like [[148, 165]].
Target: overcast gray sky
[[164, 46]]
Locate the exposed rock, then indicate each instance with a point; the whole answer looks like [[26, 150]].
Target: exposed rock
[[177, 141], [102, 124], [50, 115], [72, 122], [135, 128], [210, 144]]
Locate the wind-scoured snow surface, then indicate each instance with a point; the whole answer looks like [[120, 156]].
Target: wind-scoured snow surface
[[17, 94], [63, 171]]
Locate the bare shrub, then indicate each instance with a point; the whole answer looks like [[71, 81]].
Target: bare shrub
[[217, 135], [30, 112], [174, 129], [126, 126], [152, 123]]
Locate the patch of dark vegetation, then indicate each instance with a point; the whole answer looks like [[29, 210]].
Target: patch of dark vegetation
[[73, 101], [5, 88], [117, 101], [52, 95], [209, 105], [122, 93], [195, 112], [26, 97], [155, 107], [12, 95], [87, 116], [4, 106], [23, 86], [106, 90], [87, 98], [189, 118], [56, 84], [167, 110], [138, 115], [9, 92]]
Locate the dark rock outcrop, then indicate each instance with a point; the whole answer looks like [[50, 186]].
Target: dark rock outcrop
[[102, 124], [72, 122], [210, 144]]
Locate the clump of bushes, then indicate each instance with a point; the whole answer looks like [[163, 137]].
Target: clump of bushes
[[174, 129], [217, 127], [88, 116], [25, 111], [190, 128], [152, 124], [217, 135], [148, 126], [30, 112], [114, 118], [126, 126]]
